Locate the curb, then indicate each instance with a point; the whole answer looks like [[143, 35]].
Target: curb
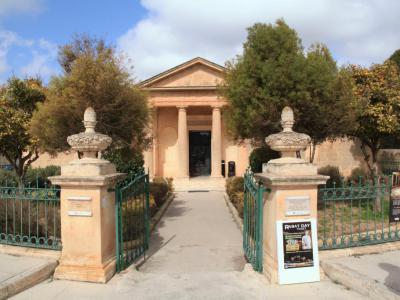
[[27, 279], [350, 278], [234, 212]]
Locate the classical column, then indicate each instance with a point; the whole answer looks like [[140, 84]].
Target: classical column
[[155, 142], [183, 143], [216, 143]]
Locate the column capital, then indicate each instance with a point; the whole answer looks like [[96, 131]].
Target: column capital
[[184, 107], [216, 107]]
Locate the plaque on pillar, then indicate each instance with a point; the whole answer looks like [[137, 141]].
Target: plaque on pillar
[[298, 259], [297, 206]]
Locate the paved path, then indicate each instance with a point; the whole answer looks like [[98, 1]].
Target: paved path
[[195, 253], [197, 234]]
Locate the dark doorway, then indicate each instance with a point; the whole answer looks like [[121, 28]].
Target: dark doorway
[[199, 153]]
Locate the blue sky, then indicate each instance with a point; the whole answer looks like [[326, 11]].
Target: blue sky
[[157, 34]]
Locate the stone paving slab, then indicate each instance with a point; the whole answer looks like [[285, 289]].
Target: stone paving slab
[[374, 275], [18, 273], [234, 285]]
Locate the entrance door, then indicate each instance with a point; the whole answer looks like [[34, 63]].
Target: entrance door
[[199, 153]]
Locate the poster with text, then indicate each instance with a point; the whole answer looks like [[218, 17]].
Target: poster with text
[[297, 245]]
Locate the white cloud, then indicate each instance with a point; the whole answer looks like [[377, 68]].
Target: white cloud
[[41, 55], [358, 31], [8, 7]]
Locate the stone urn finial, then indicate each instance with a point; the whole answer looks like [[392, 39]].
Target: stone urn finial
[[288, 142], [89, 142]]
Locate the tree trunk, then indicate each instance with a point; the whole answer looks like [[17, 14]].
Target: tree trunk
[[373, 169], [313, 147]]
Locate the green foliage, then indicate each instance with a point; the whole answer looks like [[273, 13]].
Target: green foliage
[[358, 173], [377, 98], [274, 72], [8, 178], [124, 160], [259, 156], [395, 57], [234, 185], [159, 189], [39, 176], [93, 76], [34, 176], [18, 101], [333, 172]]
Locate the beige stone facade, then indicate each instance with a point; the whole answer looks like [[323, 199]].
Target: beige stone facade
[[186, 107]]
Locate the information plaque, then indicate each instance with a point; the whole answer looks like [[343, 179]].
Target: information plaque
[[297, 206], [298, 259], [394, 209]]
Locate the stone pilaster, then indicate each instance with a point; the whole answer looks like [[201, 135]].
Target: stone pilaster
[[183, 143], [216, 143], [155, 142]]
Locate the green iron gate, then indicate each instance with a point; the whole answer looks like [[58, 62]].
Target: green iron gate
[[132, 219], [253, 221]]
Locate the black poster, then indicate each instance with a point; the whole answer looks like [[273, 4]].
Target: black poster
[[297, 245], [394, 209]]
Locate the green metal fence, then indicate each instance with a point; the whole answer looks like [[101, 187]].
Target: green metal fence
[[253, 221], [388, 166], [30, 216], [132, 219], [356, 214]]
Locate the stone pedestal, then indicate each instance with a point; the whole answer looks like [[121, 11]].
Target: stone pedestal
[[293, 185], [87, 208], [87, 221], [275, 209]]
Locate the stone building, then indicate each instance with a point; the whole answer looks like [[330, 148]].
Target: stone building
[[189, 136]]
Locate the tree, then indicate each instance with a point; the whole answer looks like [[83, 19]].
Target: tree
[[18, 100], [93, 75], [274, 72], [377, 96], [395, 57]]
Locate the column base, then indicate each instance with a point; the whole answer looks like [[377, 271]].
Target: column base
[[92, 273]]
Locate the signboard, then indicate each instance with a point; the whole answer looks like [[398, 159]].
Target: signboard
[[297, 251], [394, 209], [297, 206], [79, 206], [79, 213]]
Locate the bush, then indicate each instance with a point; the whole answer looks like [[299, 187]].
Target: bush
[[125, 160], [39, 176], [159, 190], [357, 173], [34, 176], [237, 200], [8, 178], [234, 185], [261, 155], [334, 174]]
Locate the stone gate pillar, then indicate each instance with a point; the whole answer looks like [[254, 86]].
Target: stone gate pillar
[[291, 202], [87, 209]]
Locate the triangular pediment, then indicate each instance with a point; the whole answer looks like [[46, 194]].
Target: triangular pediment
[[197, 72]]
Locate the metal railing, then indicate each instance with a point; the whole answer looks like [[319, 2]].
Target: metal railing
[[132, 219], [355, 214], [253, 221], [30, 216], [388, 166]]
